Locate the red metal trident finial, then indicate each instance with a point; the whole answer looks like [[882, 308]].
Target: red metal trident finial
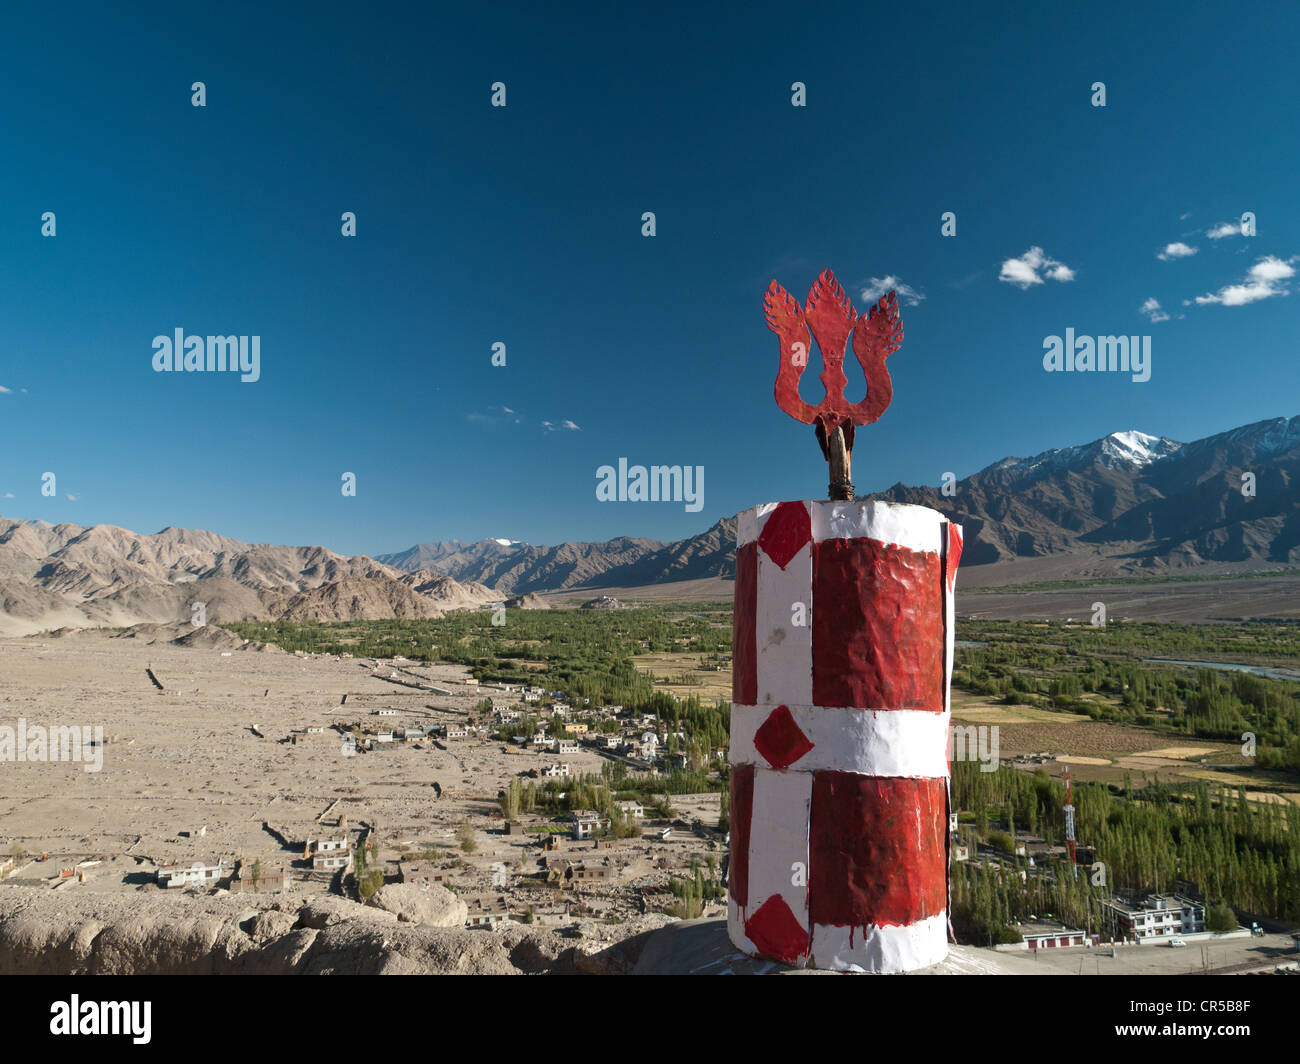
[[830, 316]]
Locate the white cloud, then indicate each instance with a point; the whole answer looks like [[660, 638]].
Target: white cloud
[[1265, 279], [70, 497], [6, 391], [1176, 250], [564, 426], [1224, 229], [570, 426], [10, 495], [1151, 308], [496, 415], [1023, 272], [876, 287]]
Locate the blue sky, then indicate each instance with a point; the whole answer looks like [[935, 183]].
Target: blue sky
[[522, 225]]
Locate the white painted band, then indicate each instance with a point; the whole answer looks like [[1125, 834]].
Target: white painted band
[[880, 949], [894, 742], [916, 527]]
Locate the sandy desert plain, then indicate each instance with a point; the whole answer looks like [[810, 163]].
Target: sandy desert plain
[[185, 777]]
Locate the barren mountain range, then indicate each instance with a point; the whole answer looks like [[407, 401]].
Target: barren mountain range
[[65, 574], [1128, 503]]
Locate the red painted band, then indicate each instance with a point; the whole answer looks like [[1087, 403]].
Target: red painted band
[[877, 626], [876, 849]]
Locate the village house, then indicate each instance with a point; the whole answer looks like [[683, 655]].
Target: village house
[[1043, 934], [507, 715], [532, 696], [567, 746], [541, 741], [329, 862], [412, 733], [420, 873], [575, 728], [255, 876], [384, 737], [385, 713], [329, 852], [7, 865], [586, 872], [556, 770], [457, 731], [481, 916], [635, 809], [199, 874], [586, 822]]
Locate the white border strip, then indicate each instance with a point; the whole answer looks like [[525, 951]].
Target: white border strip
[[783, 653], [778, 840]]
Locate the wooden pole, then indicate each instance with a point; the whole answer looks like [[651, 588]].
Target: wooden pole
[[840, 458]]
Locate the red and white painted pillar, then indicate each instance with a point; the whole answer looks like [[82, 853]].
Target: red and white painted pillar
[[839, 734]]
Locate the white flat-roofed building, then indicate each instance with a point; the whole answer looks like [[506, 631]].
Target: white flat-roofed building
[[1158, 915], [198, 874]]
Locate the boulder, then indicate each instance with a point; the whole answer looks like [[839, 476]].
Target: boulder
[[430, 904]]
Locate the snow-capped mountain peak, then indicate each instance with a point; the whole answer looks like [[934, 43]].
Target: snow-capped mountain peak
[[1130, 448], [1136, 448]]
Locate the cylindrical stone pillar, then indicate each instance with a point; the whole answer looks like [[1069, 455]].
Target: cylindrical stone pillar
[[839, 732]]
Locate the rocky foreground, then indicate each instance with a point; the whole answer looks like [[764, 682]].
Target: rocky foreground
[[42, 933]]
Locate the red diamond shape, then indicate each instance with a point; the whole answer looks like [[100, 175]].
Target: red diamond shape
[[788, 528], [777, 932], [780, 740]]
